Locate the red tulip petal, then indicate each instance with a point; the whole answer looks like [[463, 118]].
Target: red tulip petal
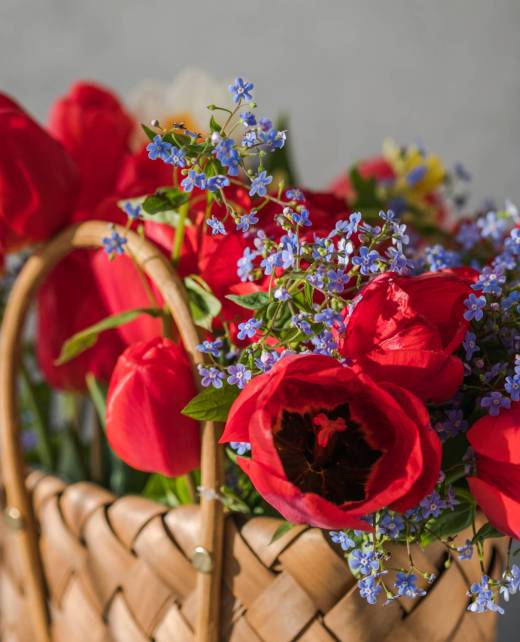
[[38, 182], [430, 443], [434, 376], [439, 297], [238, 422], [121, 288], [504, 445], [503, 475], [69, 301], [6, 102], [95, 130], [295, 506], [502, 511], [402, 461], [151, 384]]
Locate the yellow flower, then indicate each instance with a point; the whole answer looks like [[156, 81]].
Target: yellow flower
[[417, 173]]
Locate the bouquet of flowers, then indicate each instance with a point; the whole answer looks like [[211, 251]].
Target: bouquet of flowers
[[362, 344]]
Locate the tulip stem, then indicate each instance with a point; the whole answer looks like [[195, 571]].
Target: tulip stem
[[97, 397], [179, 233], [43, 445], [191, 486]]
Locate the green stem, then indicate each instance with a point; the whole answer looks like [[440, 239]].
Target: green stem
[[179, 232], [191, 486], [43, 445], [97, 396]]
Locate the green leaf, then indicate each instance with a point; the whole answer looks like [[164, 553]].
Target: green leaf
[[204, 306], [214, 168], [148, 131], [284, 527], [253, 301], [365, 188], [161, 489], [169, 217], [486, 532], [212, 404], [234, 502], [85, 339], [165, 199], [213, 125], [451, 521]]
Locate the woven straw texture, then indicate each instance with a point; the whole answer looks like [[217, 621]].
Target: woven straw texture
[[118, 570]]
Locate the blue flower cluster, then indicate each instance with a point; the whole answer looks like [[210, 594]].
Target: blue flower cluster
[[494, 312]]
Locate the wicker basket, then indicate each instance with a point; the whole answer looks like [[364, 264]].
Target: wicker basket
[[80, 565]]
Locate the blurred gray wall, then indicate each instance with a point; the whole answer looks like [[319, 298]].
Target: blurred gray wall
[[445, 72], [350, 73]]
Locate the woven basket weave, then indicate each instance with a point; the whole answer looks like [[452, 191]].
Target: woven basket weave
[[79, 565]]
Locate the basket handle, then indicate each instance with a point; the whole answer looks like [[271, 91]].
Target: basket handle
[[19, 510]]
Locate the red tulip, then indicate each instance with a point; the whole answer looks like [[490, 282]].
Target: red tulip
[[405, 329], [139, 175], [151, 384], [329, 445], [6, 102], [122, 287], [95, 130], [69, 301], [218, 256], [496, 485], [38, 181]]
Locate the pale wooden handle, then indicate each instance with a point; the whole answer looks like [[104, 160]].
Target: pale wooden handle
[[161, 272]]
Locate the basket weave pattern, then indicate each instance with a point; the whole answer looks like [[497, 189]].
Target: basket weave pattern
[[118, 570]]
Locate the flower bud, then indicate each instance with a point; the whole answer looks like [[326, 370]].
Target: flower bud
[[151, 384]]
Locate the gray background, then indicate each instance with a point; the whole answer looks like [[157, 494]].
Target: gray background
[[351, 73]]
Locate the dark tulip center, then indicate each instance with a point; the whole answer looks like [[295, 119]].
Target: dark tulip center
[[325, 452]]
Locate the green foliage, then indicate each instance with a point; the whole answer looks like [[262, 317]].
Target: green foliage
[[165, 199], [98, 394], [170, 218], [212, 404], [35, 400], [284, 527], [148, 131], [71, 456], [213, 125], [253, 301], [486, 532], [172, 491], [365, 189], [204, 306], [234, 502], [88, 337], [451, 522]]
